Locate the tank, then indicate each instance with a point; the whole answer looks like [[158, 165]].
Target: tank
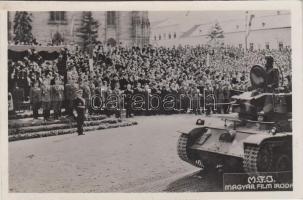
[[255, 137]]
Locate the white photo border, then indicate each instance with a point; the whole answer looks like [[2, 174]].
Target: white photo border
[[295, 8]]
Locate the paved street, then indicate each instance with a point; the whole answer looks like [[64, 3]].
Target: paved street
[[140, 158]]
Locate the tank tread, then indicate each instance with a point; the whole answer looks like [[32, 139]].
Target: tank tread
[[250, 158], [183, 151]]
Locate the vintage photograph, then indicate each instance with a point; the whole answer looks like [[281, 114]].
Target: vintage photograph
[[149, 101]]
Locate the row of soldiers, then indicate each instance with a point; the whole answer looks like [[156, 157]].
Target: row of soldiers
[[48, 96], [53, 96]]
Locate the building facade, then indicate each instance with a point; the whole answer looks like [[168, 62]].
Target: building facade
[[270, 31], [127, 28]]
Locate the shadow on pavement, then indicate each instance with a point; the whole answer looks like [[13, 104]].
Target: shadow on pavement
[[200, 181]]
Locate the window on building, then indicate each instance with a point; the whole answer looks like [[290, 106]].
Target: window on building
[[278, 12], [267, 45], [57, 16], [111, 18], [169, 36], [237, 26], [175, 35], [240, 46], [280, 46], [159, 37], [263, 24], [155, 37], [164, 36], [251, 46]]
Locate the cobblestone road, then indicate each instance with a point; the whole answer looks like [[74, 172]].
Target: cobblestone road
[[140, 158]]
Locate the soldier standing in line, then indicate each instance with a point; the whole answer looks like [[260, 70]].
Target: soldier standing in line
[[46, 98], [86, 93], [57, 97], [73, 92], [71, 88], [226, 93], [195, 93], [220, 97], [79, 111], [128, 100], [35, 98], [92, 94], [68, 100], [117, 93], [208, 100]]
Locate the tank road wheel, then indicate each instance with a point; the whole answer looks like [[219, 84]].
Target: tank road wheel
[[185, 154], [283, 163], [258, 159]]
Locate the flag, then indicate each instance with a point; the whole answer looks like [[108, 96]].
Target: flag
[[72, 27], [248, 27]]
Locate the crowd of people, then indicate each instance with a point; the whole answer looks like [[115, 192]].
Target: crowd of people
[[202, 73]]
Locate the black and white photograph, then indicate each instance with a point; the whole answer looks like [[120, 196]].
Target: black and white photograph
[[150, 101]]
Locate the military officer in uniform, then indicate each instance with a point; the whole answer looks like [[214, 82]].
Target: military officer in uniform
[[57, 97], [272, 78], [46, 98], [35, 98], [79, 111], [272, 74], [128, 100]]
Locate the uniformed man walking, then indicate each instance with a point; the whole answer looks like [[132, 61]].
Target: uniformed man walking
[[79, 111]]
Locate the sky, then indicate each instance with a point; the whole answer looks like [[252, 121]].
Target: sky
[[200, 17]]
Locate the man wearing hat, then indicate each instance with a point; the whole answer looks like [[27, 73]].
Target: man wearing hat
[[271, 73], [272, 77], [79, 111]]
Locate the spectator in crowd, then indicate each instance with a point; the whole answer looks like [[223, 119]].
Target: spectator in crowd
[[184, 71]]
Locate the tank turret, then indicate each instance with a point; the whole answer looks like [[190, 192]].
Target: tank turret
[[266, 101]]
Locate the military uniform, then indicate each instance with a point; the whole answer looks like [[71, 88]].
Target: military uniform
[[86, 94], [18, 97], [46, 100], [208, 99], [195, 100], [57, 97], [70, 92], [272, 78], [128, 101], [35, 99], [184, 100], [117, 93], [226, 93], [79, 107], [220, 98]]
